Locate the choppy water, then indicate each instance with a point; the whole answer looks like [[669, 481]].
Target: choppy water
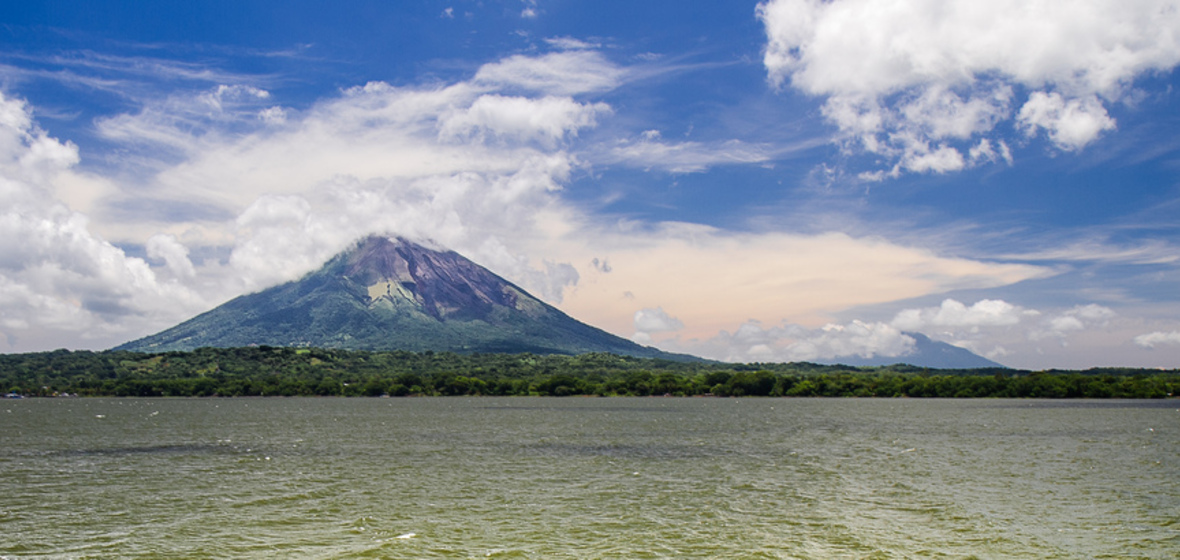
[[588, 478]]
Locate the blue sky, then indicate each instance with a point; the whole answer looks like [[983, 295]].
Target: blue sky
[[786, 180]]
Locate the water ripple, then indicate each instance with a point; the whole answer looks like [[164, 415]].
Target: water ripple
[[588, 478]]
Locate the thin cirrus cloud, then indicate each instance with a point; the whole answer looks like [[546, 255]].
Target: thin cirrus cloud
[[926, 84], [177, 123], [561, 73], [1098, 249], [571, 43], [651, 152], [133, 78]]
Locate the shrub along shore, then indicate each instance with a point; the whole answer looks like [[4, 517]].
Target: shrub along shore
[[271, 371]]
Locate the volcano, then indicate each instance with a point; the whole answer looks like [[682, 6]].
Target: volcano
[[393, 294]]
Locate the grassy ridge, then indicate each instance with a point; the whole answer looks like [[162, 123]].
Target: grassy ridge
[[271, 371]]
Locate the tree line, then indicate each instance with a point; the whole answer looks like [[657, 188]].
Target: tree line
[[271, 371]]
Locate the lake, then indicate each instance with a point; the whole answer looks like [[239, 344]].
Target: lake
[[588, 478]]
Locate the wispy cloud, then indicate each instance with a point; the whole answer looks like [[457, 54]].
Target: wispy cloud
[[181, 124], [684, 157], [1102, 250], [134, 77], [561, 73], [571, 44], [148, 67]]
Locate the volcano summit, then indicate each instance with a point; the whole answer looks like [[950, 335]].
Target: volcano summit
[[392, 294]]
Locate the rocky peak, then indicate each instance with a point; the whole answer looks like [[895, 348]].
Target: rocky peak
[[443, 284]]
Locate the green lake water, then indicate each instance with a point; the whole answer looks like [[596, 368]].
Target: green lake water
[[588, 478]]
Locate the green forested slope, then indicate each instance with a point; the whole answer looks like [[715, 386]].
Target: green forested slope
[[390, 294], [271, 371]]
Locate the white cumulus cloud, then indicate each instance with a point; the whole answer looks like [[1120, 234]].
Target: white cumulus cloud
[[1071, 124], [953, 313], [751, 342], [1076, 319], [915, 80], [1158, 338], [58, 281], [648, 321], [169, 249], [545, 120]]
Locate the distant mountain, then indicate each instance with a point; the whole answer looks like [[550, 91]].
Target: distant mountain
[[926, 353], [391, 294]]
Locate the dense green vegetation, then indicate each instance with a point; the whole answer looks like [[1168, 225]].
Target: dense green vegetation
[[269, 371]]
